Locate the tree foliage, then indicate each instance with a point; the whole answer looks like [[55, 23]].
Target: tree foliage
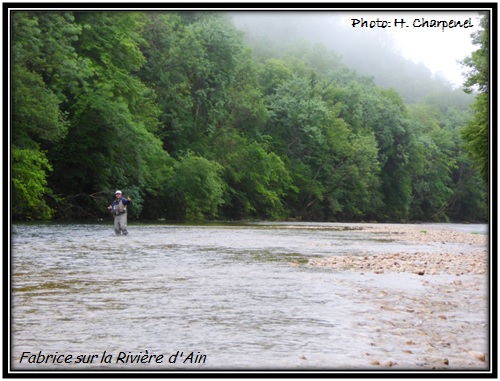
[[476, 133], [29, 184], [180, 113], [198, 187]]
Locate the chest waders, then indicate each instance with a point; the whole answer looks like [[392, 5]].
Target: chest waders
[[120, 223]]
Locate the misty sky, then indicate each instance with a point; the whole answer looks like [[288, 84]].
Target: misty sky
[[438, 50]]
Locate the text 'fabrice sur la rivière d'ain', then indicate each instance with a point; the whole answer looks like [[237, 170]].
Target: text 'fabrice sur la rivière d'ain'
[[108, 358]]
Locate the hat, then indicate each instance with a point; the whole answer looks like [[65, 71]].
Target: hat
[[118, 191]]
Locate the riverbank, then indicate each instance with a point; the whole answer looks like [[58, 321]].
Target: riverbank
[[470, 256], [426, 309]]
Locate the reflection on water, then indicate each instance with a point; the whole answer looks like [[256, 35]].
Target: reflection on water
[[240, 295]]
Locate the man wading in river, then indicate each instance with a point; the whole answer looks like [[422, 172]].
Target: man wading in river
[[119, 210]]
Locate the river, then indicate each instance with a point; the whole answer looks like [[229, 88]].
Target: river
[[210, 297]]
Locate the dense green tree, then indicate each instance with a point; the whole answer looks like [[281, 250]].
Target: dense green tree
[[383, 113], [257, 180], [44, 68], [222, 44], [432, 165], [476, 133], [29, 184], [113, 115], [274, 73], [470, 193], [246, 106], [326, 158], [172, 54], [198, 187], [191, 63]]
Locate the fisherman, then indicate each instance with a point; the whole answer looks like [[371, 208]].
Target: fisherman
[[119, 210]]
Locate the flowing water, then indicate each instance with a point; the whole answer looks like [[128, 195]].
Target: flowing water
[[217, 296]]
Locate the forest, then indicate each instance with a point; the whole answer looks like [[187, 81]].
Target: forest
[[196, 121]]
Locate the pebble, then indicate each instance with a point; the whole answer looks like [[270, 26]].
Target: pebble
[[474, 261], [380, 264], [478, 355]]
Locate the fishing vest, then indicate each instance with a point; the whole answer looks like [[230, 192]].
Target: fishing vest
[[119, 208]]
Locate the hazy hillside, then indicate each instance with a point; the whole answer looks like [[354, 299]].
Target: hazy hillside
[[372, 54]]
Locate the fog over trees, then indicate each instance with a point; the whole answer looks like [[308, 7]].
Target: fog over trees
[[371, 52]]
